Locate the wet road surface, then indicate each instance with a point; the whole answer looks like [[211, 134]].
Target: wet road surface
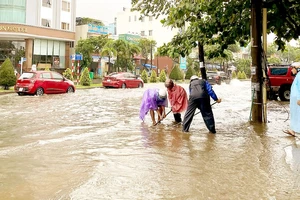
[[92, 145]]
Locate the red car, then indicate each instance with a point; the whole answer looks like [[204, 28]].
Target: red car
[[122, 80], [43, 82]]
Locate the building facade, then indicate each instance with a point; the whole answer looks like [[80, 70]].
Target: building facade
[[129, 22], [44, 29]]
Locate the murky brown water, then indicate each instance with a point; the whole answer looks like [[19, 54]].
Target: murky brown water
[[91, 145]]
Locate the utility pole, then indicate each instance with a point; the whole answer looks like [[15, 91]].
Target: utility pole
[[256, 68]]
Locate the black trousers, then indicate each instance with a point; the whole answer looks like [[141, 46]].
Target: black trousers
[[177, 117], [203, 104]]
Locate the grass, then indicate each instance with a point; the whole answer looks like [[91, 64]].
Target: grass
[[86, 87], [11, 89]]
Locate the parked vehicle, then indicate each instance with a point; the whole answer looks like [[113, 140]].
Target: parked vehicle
[[213, 77], [224, 77], [122, 80], [43, 82], [279, 83]]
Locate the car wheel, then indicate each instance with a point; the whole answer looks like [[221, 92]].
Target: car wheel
[[123, 85], [140, 85], [70, 89], [39, 91], [284, 94]]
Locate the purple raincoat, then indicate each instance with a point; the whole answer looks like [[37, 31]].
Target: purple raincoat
[[151, 101]]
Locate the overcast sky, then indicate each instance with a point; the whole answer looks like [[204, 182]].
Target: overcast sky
[[104, 10]]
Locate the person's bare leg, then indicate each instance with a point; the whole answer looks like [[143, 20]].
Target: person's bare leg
[[152, 116]]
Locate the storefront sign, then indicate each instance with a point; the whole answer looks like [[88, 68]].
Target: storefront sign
[[13, 29], [97, 29]]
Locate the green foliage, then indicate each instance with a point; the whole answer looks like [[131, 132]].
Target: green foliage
[[68, 74], [241, 75], [86, 20], [144, 76], [189, 73], [7, 74], [88, 46], [176, 73], [234, 75], [274, 60], [85, 79], [146, 48], [153, 77], [162, 76], [243, 65]]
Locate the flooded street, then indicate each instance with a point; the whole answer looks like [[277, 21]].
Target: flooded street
[[92, 145]]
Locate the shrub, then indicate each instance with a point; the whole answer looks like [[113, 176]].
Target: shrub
[[68, 74], [189, 73], [233, 75], [7, 74], [144, 76], [162, 76], [85, 79], [153, 77], [176, 73], [241, 75]]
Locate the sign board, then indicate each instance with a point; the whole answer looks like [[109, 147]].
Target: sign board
[[76, 57], [182, 62], [97, 29]]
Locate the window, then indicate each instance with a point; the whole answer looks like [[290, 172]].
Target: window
[[150, 18], [134, 17], [71, 44], [143, 19], [57, 76], [65, 26], [129, 18], [150, 32], [46, 75], [66, 6], [46, 22], [47, 3], [142, 33]]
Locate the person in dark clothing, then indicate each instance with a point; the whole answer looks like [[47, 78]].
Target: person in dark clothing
[[200, 93]]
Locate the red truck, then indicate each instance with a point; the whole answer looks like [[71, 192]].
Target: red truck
[[280, 79]]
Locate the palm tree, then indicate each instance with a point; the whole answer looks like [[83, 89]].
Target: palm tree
[[110, 51], [133, 50]]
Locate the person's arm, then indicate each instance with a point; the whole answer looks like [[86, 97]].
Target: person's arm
[[211, 92]]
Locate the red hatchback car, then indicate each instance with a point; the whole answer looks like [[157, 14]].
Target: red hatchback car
[[122, 80], [43, 82]]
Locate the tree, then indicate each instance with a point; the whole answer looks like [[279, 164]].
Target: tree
[[110, 51], [146, 48], [162, 76], [68, 74], [153, 77], [219, 22], [189, 73], [144, 76], [7, 74], [85, 79], [88, 46], [86, 20], [176, 73]]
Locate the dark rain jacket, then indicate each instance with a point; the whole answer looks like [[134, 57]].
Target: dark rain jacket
[[200, 88]]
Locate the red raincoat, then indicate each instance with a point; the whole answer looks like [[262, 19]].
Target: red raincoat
[[178, 99]]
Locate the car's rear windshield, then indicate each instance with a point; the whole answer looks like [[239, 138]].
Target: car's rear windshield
[[27, 75], [115, 74], [279, 71]]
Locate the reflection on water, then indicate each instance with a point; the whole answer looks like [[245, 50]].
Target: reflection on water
[[92, 145]]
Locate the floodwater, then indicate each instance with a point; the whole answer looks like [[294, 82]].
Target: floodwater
[[92, 145]]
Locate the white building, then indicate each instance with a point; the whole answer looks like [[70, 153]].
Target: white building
[[45, 27], [131, 23]]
